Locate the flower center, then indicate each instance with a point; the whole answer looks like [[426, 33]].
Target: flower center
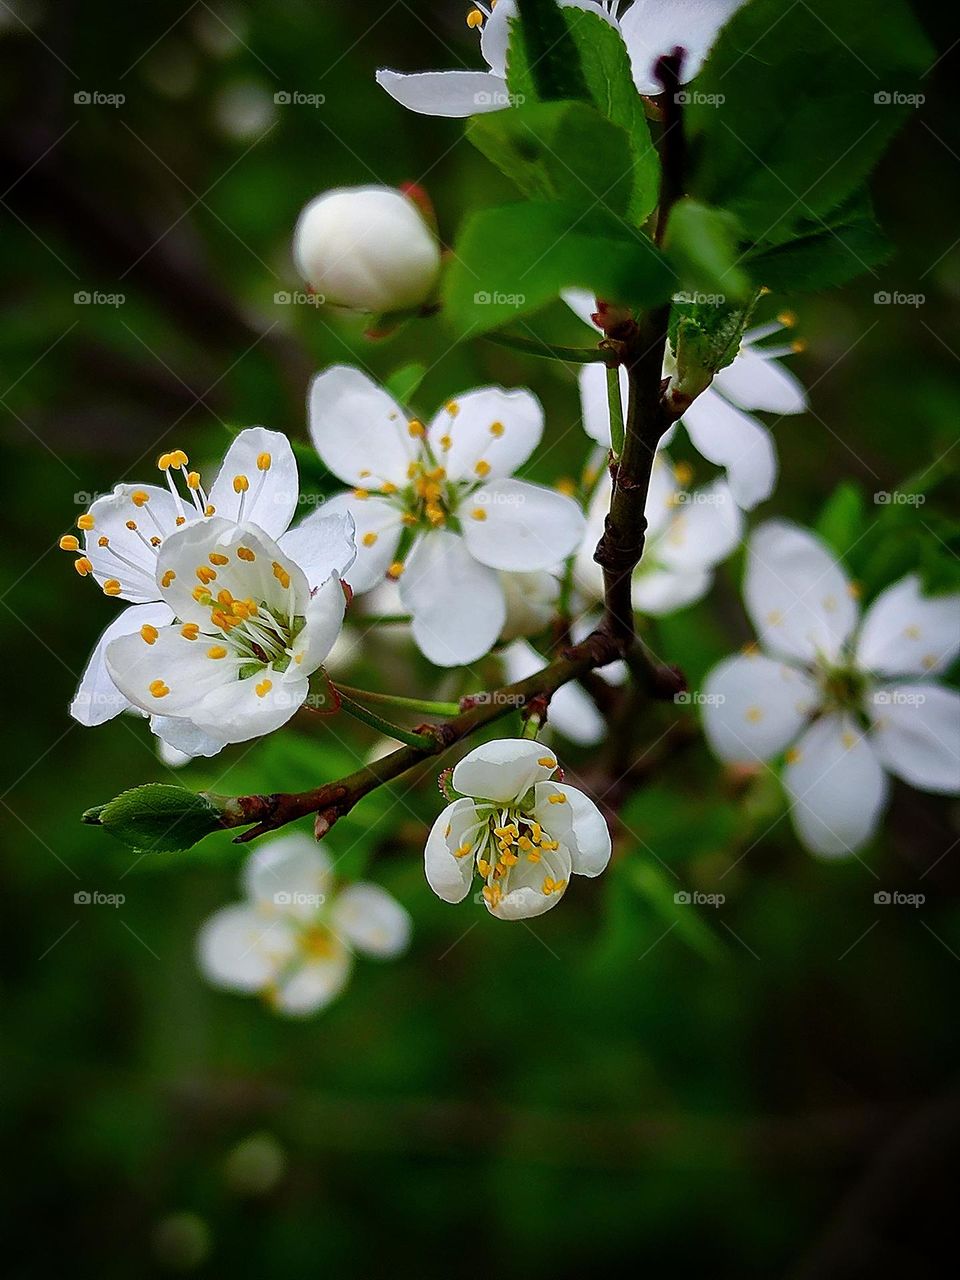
[[511, 844], [254, 634], [842, 687]]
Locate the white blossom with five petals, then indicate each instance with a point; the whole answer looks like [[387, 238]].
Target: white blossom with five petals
[[516, 827], [293, 938], [851, 698], [436, 506]]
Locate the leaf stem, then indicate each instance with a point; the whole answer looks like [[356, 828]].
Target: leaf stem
[[423, 705], [549, 350], [385, 727]]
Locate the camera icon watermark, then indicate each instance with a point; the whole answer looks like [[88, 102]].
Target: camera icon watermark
[[94, 898], [886, 298], [894, 98], [692, 98], [296, 898], [895, 898], [896, 498], [296, 98], [96, 98], [97, 298], [482, 298], [899, 698], [695, 898], [298, 298], [701, 299], [694, 698]]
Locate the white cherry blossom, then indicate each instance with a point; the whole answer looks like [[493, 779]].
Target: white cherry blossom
[[717, 422], [252, 625], [850, 700], [436, 506], [688, 534], [520, 830], [649, 29], [293, 937]]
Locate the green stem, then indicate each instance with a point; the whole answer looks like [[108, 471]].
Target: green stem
[[384, 619], [532, 726], [423, 705], [548, 350], [389, 730], [616, 411]]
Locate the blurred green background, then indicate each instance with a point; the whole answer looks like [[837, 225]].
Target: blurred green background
[[762, 1089]]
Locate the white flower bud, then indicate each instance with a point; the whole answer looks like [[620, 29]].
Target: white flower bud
[[367, 249]]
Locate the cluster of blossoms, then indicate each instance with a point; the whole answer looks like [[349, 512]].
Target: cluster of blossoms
[[232, 613]]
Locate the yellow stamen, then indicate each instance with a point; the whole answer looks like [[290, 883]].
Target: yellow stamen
[[111, 587], [497, 428], [83, 566], [205, 574], [69, 543], [216, 557], [244, 553], [149, 634], [131, 525], [193, 480], [264, 461], [159, 689], [216, 651], [416, 428], [139, 499], [281, 575], [85, 522], [263, 688], [369, 539], [202, 596], [478, 513], [209, 509], [557, 798], [103, 541], [452, 408], [362, 494], [395, 569], [190, 630], [474, 18], [482, 468], [167, 578], [547, 762], [240, 484]]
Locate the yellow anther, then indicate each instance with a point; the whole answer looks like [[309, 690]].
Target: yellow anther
[[181, 520], [549, 884], [798, 346], [413, 470], [139, 498], [244, 553], [167, 578], [683, 472], [492, 894], [497, 428], [217, 557], [149, 634], [774, 618], [452, 408], [362, 494], [131, 525], [787, 318], [165, 462], [193, 479], [408, 519], [462, 851], [178, 458], [483, 866], [86, 522], [395, 569], [159, 689], [369, 539], [209, 510], [263, 688], [388, 487], [929, 661], [202, 596], [205, 573], [190, 630], [508, 859], [533, 856], [557, 798], [550, 845], [566, 486], [155, 541], [224, 597], [793, 756], [416, 428], [281, 575], [547, 762], [220, 619], [364, 473], [525, 843], [753, 715], [83, 566], [446, 443], [849, 740], [855, 590], [478, 513], [69, 543], [240, 484], [216, 651], [482, 468], [474, 18], [264, 461], [111, 587], [103, 541], [536, 831]]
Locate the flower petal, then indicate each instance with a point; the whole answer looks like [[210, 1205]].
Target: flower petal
[[241, 950], [707, 526], [658, 592], [503, 770], [797, 594], [448, 876], [591, 846], [310, 986], [836, 786], [527, 892], [169, 675], [98, 699], [251, 708], [182, 738], [322, 545], [651, 28], [372, 921], [511, 524], [916, 734], [129, 557], [323, 620], [457, 604], [264, 459], [455, 94], [378, 530], [732, 439], [289, 875], [753, 707], [756, 381], [572, 710], [531, 602], [907, 633], [489, 432], [359, 430]]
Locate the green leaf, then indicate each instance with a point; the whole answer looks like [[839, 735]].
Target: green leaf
[[842, 520], [796, 104], [703, 244], [516, 258], [550, 53], [605, 65], [822, 255], [562, 150], [665, 896], [158, 818], [705, 337], [404, 383]]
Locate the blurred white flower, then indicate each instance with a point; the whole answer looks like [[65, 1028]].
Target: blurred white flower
[[650, 28], [717, 424], [853, 695], [293, 937], [436, 506], [516, 827], [367, 249], [531, 603]]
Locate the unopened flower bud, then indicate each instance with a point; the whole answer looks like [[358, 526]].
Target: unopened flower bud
[[367, 249]]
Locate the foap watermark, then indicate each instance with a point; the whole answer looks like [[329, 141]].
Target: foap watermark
[[496, 299], [693, 98], [696, 898], [896, 898], [694, 698], [84, 497], [498, 498], [298, 298], [97, 98], [886, 298], [498, 98], [494, 698], [297, 898], [701, 299], [701, 498], [96, 898], [896, 498], [97, 298], [894, 98], [296, 98], [899, 698]]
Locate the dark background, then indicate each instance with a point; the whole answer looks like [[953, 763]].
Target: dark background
[[763, 1089]]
